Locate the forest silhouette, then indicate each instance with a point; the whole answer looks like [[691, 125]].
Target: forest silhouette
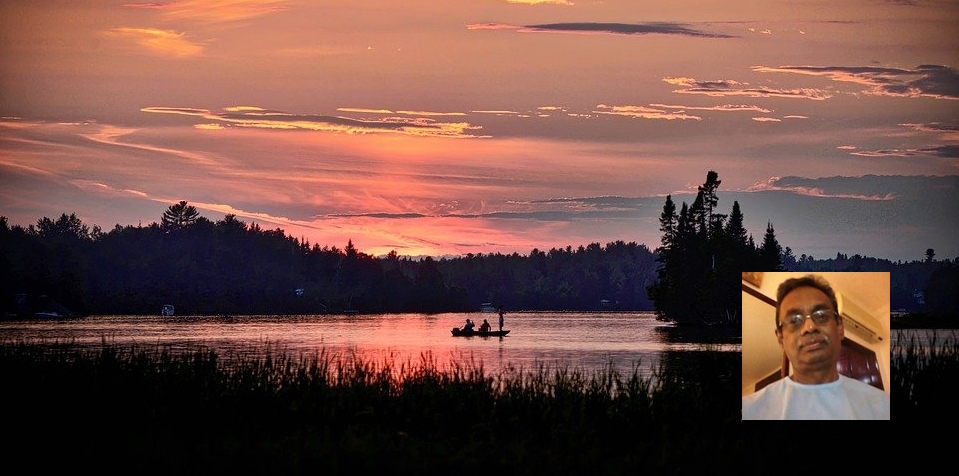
[[231, 267]]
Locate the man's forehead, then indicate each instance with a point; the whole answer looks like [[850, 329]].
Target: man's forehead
[[804, 296]]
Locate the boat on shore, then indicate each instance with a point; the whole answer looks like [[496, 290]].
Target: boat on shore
[[457, 332], [487, 307]]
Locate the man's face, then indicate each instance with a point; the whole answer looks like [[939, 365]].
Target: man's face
[[812, 347]]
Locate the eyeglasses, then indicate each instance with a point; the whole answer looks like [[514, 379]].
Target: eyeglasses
[[795, 321]]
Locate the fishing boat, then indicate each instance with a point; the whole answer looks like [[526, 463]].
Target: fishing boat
[[167, 310], [487, 307], [457, 332]]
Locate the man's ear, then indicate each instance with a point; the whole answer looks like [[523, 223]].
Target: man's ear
[[779, 337], [842, 329]]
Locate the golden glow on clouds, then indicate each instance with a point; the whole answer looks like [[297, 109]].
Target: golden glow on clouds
[[430, 113], [214, 11], [254, 117], [642, 112], [164, 42], [364, 111], [720, 108]]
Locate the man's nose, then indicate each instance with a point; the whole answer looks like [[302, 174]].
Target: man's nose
[[809, 325]]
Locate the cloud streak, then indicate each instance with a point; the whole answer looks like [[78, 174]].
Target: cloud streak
[[213, 11], [722, 88], [255, 117], [588, 28], [932, 81]]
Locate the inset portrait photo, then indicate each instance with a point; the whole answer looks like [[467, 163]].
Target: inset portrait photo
[[815, 346]]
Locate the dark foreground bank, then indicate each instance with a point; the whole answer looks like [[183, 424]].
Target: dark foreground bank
[[148, 410]]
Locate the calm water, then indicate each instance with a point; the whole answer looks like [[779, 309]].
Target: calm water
[[584, 341]]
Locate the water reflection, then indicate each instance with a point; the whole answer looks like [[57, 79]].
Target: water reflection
[[585, 341]]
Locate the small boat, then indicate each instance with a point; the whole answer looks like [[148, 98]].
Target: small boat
[[167, 310], [457, 332], [487, 307]]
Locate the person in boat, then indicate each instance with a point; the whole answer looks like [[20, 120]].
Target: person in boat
[[501, 317], [810, 331], [468, 327], [485, 327]]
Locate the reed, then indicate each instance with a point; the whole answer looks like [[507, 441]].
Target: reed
[[155, 410], [922, 375]]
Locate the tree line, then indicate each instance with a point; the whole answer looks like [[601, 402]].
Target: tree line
[[231, 267]]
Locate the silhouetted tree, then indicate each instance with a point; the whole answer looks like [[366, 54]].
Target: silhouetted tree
[[66, 227], [701, 256], [710, 199], [179, 216], [770, 251]]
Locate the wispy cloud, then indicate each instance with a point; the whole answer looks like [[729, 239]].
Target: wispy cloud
[[643, 112], [587, 28], [254, 117], [934, 81], [720, 108], [213, 11], [869, 188], [945, 151], [540, 2], [948, 131], [497, 112], [721, 88], [376, 215], [163, 42], [406, 113]]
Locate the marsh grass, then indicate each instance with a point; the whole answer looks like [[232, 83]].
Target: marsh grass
[[923, 375], [154, 410]]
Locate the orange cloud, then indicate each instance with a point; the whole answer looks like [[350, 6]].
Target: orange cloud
[[254, 117], [642, 112], [164, 42], [214, 11]]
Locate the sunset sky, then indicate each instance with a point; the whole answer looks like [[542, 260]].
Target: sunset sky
[[443, 127]]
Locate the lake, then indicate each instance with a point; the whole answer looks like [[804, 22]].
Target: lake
[[586, 341]]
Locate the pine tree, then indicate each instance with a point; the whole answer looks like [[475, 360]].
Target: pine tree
[[735, 231], [770, 251], [179, 216], [668, 223], [710, 199]]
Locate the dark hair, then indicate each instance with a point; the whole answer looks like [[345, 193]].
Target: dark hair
[[810, 281]]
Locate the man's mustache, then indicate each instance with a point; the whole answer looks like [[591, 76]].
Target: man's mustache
[[812, 338]]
